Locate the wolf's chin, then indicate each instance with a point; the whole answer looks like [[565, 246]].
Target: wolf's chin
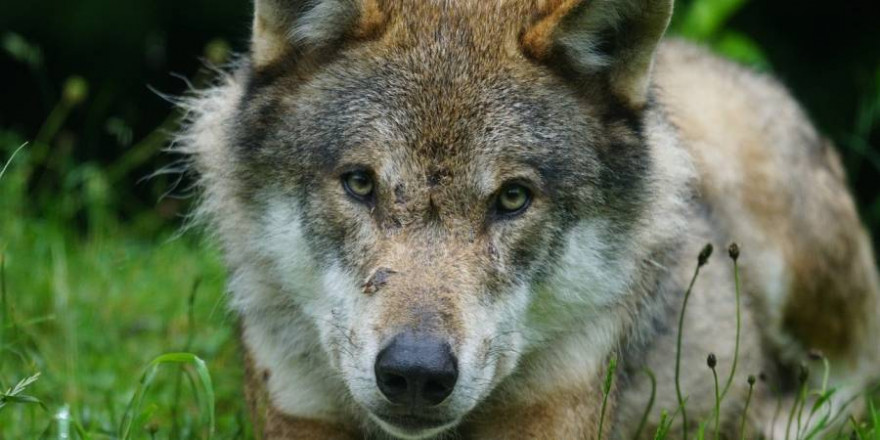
[[418, 429]]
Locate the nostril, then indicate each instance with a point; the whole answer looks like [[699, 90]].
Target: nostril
[[435, 392], [391, 379], [392, 384]]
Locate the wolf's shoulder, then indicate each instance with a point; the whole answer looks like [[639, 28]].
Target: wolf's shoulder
[[688, 75], [733, 110]]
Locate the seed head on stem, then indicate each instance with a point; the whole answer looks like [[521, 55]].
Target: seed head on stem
[[712, 361], [704, 255], [701, 261], [733, 251]]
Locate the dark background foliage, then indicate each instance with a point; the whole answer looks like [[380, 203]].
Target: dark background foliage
[[827, 53]]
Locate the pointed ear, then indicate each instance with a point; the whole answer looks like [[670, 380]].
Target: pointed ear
[[612, 38], [309, 26]]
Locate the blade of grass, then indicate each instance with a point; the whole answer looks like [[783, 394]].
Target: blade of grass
[[62, 420], [776, 412], [80, 431], [4, 308], [822, 399], [16, 393], [6, 166], [204, 393], [856, 433], [606, 390], [663, 427], [21, 398], [701, 431], [801, 395], [875, 419], [666, 422], [190, 335]]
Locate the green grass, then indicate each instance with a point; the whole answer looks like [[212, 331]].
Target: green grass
[[89, 313]]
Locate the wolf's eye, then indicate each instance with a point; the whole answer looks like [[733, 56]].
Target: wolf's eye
[[513, 199], [358, 184]]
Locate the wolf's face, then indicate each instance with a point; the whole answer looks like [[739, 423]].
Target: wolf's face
[[417, 207], [436, 203]]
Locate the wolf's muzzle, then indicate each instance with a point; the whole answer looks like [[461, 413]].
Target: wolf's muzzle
[[416, 370]]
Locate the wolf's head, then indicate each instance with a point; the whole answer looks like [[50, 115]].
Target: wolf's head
[[435, 189]]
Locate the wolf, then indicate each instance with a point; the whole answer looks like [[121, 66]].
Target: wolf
[[449, 218]]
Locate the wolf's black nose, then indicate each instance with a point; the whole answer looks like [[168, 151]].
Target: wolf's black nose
[[416, 370]]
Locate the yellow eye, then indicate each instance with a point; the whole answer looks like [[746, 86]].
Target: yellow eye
[[514, 199], [358, 184]]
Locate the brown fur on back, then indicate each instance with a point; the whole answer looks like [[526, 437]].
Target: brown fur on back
[[775, 184]]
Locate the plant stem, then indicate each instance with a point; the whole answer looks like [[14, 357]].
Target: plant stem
[[742, 425], [738, 327], [650, 403], [717, 404], [825, 373], [794, 409], [801, 412], [687, 295]]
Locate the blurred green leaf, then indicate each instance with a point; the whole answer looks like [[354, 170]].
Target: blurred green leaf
[[703, 19], [22, 50], [741, 48]]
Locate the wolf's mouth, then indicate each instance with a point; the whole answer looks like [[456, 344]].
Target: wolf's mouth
[[413, 426]]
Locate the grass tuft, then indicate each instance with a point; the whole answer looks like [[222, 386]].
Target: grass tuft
[[606, 390], [205, 392]]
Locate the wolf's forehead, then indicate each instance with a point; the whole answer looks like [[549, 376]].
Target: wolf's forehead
[[436, 108], [430, 106]]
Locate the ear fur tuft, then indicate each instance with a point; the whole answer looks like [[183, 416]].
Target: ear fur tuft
[[538, 40], [309, 25], [614, 38]]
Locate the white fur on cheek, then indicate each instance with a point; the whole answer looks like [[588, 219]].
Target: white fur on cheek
[[272, 294], [349, 329], [283, 243], [574, 317], [590, 277], [313, 328]]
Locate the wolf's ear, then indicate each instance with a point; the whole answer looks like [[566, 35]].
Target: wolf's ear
[[615, 39], [309, 26]]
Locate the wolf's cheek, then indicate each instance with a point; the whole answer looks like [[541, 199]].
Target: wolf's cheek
[[495, 339]]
